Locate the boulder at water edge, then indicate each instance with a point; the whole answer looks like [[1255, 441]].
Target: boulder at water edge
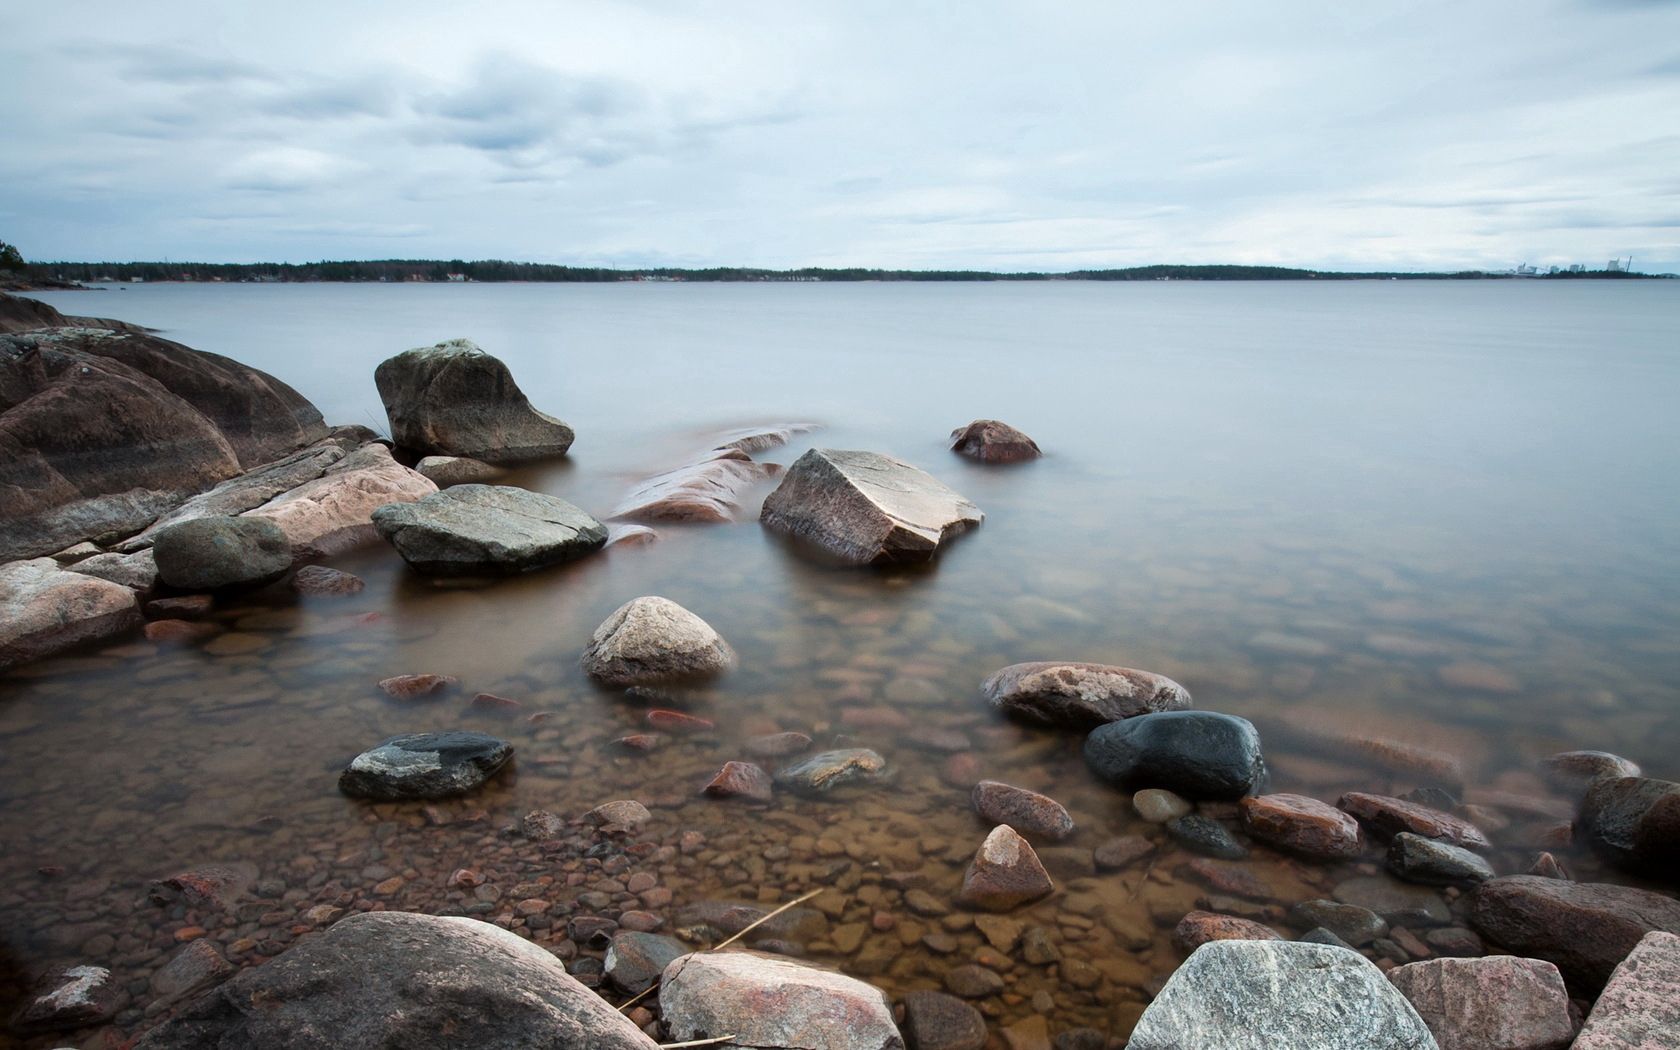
[[394, 979], [425, 765], [1499, 1002], [1197, 754], [991, 441], [1640, 1007], [1080, 696], [771, 1003], [45, 609], [1265, 995], [866, 508], [453, 399], [653, 640], [1586, 928], [488, 530], [215, 553], [1635, 822], [334, 512]]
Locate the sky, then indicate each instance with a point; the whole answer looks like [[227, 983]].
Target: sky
[[904, 134]]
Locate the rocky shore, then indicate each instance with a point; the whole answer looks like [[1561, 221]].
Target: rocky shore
[[1169, 892]]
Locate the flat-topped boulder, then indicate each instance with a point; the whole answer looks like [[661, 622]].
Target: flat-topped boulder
[[1080, 695], [487, 530], [1497, 1003], [45, 608], [993, 441], [865, 508], [453, 399], [653, 640], [425, 766], [773, 1003]]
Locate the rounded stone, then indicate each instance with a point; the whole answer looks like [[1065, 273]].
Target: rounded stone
[[425, 766], [1025, 811], [652, 640], [1079, 695], [1302, 825], [993, 441], [1197, 754], [220, 553]]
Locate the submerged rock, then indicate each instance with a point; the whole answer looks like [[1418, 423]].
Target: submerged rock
[[740, 780], [772, 1003], [318, 581], [453, 399], [1004, 874], [1197, 754], [475, 530], [1206, 836], [991, 441], [215, 553], [45, 609], [425, 766], [1080, 696], [1023, 810], [866, 508], [709, 490], [138, 571], [1586, 928], [389, 979], [635, 960], [1635, 822], [1572, 772], [826, 771], [1497, 1003], [1400, 903], [1640, 1007], [1265, 995], [1203, 927], [1302, 825], [936, 1021], [76, 997], [1389, 816], [653, 640]]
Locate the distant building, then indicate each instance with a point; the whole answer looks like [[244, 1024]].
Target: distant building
[[1578, 268], [456, 277], [1614, 266]]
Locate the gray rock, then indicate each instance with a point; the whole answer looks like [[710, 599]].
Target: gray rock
[[248, 491], [1206, 836], [393, 979], [1417, 859], [215, 553], [866, 509], [1320, 935], [1635, 822], [70, 998], [453, 399], [1080, 696], [1197, 754], [772, 1003], [334, 513], [1397, 902], [635, 960], [138, 571], [651, 641], [1586, 928], [45, 609], [444, 471], [823, 772], [479, 530], [936, 1021], [425, 765], [1356, 925], [1265, 995]]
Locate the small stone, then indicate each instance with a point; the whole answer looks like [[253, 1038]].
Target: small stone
[[623, 813], [1197, 754], [1078, 695], [1203, 835], [635, 960], [425, 766], [1025, 811], [1302, 825], [1399, 903], [1389, 816], [778, 745], [540, 825], [1356, 925], [1004, 874], [973, 982], [1158, 805], [1000, 932], [822, 773], [180, 632], [740, 780], [492, 702], [678, 722], [414, 686], [1199, 927], [936, 1021], [1417, 859], [319, 581], [1119, 853]]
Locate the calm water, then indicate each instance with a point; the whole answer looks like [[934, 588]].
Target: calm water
[[1303, 501]]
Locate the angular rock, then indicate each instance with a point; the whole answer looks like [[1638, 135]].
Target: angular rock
[[1266, 995], [1302, 825], [823, 772], [1640, 1007], [1635, 823], [740, 780], [194, 968], [318, 581], [1206, 836], [1025, 811], [488, 530], [1197, 754], [246, 491], [425, 766], [936, 1021], [45, 609], [453, 399], [220, 553], [1389, 816], [76, 997], [138, 571], [1497, 1003], [1586, 928], [1200, 927], [991, 441], [653, 640], [866, 509], [214, 886], [1417, 859], [334, 513], [387, 979], [635, 960], [773, 1003], [710, 489], [444, 471], [1080, 696], [1353, 924], [1004, 874]]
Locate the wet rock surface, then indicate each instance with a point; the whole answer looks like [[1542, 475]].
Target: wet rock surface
[[824, 772], [1080, 696], [635, 960], [1417, 859], [453, 399], [1635, 821], [1640, 1008], [1387, 816], [1196, 754], [1584, 928], [472, 530], [936, 1021], [334, 513], [1302, 825], [46, 609], [653, 640], [425, 766], [1025, 811], [74, 997], [1004, 874], [319, 581], [773, 1003], [991, 441], [215, 553], [1497, 1003]]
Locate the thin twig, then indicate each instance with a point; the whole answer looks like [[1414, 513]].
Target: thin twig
[[699, 1042], [645, 992]]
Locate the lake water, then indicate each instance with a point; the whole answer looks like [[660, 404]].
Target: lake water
[[1436, 514]]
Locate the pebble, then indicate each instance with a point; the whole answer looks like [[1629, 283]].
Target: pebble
[[1206, 836], [973, 982], [1158, 805]]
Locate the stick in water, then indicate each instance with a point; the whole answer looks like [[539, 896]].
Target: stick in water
[[644, 993]]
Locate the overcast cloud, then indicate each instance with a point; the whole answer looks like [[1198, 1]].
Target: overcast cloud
[[1432, 135]]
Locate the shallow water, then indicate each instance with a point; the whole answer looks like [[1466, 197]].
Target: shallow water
[[1303, 501]]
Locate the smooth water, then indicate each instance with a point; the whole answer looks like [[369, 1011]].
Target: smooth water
[[1440, 514]]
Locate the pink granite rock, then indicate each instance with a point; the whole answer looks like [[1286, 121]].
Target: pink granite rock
[[1301, 825], [1500, 1002], [1005, 873], [1640, 1007]]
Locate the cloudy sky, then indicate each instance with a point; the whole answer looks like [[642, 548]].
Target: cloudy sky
[[1021, 135]]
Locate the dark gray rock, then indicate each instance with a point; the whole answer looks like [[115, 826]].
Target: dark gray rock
[[379, 980], [1197, 754], [635, 960], [1434, 863], [453, 399], [76, 997], [425, 765], [1080, 696], [1586, 928], [485, 530], [1206, 836], [215, 553], [865, 508], [992, 441], [1635, 823], [936, 1021]]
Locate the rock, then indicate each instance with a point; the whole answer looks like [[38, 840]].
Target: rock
[[1547, 866], [1498, 1003], [45, 609], [711, 489], [1265, 995], [1197, 754], [389, 979], [1080, 696], [678, 722], [180, 632], [830, 769], [730, 917], [936, 1021], [990, 441], [488, 530], [453, 399], [765, 436], [444, 471], [247, 491], [138, 571], [1635, 823], [1417, 859], [318, 581], [214, 886], [1199, 927], [1640, 1007], [1206, 836], [76, 997], [772, 1003], [630, 535], [1570, 772], [1585, 928], [973, 981], [1122, 852], [740, 780], [1004, 874], [334, 513], [540, 825], [625, 813], [194, 968], [1388, 816], [1400, 903], [866, 508], [425, 766], [186, 607], [414, 686], [1302, 825], [635, 960], [1157, 805], [653, 640], [1353, 924], [220, 553], [1025, 811]]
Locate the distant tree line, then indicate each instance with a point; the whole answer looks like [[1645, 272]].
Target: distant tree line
[[11, 260]]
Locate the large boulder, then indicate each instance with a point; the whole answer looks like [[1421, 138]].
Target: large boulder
[[772, 1003], [394, 979], [1585, 928], [1635, 822], [1263, 995], [453, 399], [992, 441], [1080, 696], [1197, 754], [486, 530], [334, 512], [1640, 1007], [1497, 1003], [247, 491], [865, 508], [215, 553], [653, 640], [425, 766], [45, 609]]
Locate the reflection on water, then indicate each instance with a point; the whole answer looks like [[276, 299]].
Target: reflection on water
[[1439, 514]]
